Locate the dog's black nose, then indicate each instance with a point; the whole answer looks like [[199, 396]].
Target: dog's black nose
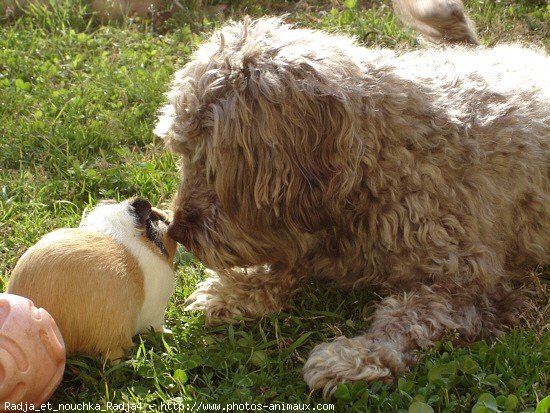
[[177, 231]]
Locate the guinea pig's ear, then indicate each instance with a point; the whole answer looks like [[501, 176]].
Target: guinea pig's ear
[[142, 209]]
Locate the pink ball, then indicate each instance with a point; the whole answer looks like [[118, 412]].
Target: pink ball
[[32, 352]]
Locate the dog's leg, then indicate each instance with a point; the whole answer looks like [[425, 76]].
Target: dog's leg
[[402, 323], [226, 295]]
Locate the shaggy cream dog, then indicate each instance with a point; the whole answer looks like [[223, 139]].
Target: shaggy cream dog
[[304, 155]]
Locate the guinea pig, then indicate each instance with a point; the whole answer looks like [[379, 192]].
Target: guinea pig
[[105, 281]]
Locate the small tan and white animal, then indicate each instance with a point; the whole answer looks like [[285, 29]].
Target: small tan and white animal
[[104, 281]]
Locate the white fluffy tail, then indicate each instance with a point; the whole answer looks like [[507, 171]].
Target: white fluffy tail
[[439, 21]]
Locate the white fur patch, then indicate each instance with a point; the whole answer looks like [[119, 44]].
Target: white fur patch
[[165, 121], [117, 221]]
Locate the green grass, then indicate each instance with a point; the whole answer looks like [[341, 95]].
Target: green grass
[[78, 100]]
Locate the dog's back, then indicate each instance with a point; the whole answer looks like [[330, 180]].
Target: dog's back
[[499, 96], [488, 133]]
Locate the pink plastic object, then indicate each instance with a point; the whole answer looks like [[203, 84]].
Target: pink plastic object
[[32, 352]]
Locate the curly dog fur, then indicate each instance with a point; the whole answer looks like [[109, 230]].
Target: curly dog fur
[[304, 155]]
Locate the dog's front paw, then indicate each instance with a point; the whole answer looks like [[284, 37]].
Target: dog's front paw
[[347, 360], [212, 298]]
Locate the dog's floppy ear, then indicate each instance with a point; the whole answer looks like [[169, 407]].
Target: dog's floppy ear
[[285, 148]]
